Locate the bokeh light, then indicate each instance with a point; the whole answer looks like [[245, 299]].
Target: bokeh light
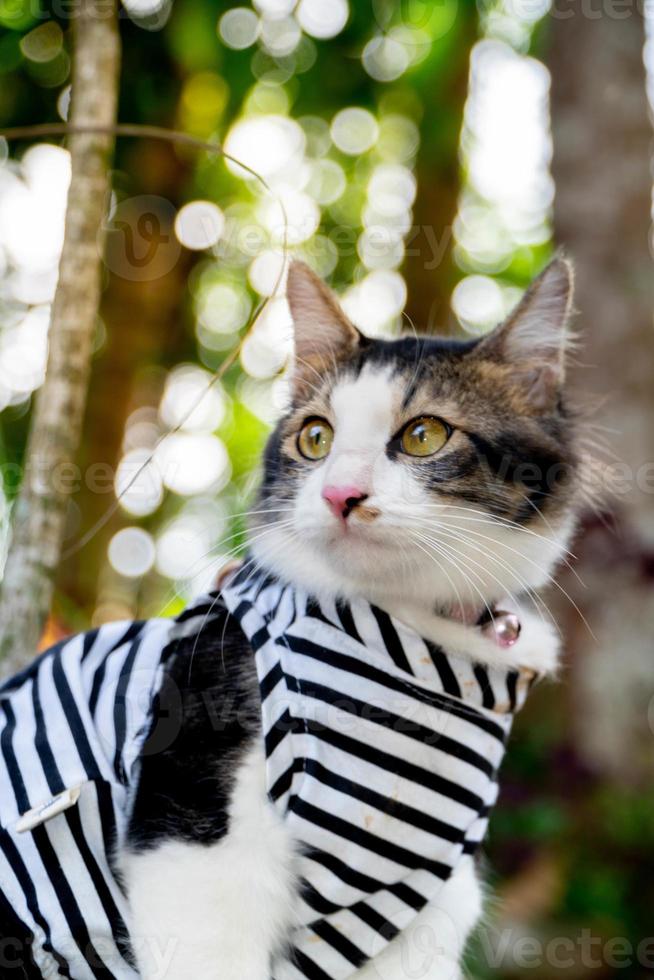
[[192, 400], [138, 483], [200, 224], [193, 462], [354, 130], [239, 28], [322, 18], [131, 552], [506, 202]]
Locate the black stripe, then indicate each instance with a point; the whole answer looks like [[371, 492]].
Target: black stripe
[[412, 729], [310, 969], [103, 892], [74, 719], [317, 901], [283, 783], [391, 640], [314, 610], [68, 903], [339, 942], [17, 680], [129, 635], [271, 680], [29, 891], [351, 665], [42, 745], [350, 876], [393, 808], [408, 895], [259, 638], [51, 863], [375, 920], [88, 641], [7, 748], [12, 854], [347, 621], [107, 819], [363, 882], [392, 763], [512, 687], [362, 910], [363, 838], [96, 687], [16, 945], [445, 672], [284, 724], [120, 708], [481, 674]]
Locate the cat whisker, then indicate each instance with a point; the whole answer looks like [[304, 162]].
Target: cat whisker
[[525, 589], [446, 553], [553, 581], [485, 518], [222, 557]]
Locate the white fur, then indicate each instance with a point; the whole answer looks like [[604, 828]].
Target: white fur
[[216, 912]]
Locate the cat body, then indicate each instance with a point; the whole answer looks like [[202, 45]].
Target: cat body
[[345, 512], [433, 481]]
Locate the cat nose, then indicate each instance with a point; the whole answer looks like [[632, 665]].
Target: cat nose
[[342, 500]]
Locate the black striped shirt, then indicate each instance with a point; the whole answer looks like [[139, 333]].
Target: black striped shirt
[[382, 755]]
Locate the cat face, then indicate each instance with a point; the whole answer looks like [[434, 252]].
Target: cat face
[[434, 470]]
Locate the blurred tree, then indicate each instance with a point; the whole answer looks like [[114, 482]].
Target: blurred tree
[[602, 169], [52, 449]]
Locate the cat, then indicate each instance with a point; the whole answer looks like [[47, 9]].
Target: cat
[[292, 778], [432, 477]]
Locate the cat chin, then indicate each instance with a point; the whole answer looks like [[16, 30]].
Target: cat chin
[[349, 569]]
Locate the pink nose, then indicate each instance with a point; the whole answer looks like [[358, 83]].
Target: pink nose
[[343, 500]]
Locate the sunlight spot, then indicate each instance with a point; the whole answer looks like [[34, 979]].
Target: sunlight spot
[[322, 18], [199, 224], [354, 130], [239, 28], [131, 552]]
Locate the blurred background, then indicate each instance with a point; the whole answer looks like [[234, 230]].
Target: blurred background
[[428, 155]]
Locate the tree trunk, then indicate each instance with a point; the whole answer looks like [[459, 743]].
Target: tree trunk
[[429, 269], [40, 512], [602, 147]]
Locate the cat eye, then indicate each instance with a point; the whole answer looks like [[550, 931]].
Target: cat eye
[[424, 436], [315, 439]]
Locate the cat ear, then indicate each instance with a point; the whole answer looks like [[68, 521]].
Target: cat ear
[[533, 340], [323, 335]]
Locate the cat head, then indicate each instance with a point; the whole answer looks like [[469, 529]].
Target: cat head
[[422, 468]]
